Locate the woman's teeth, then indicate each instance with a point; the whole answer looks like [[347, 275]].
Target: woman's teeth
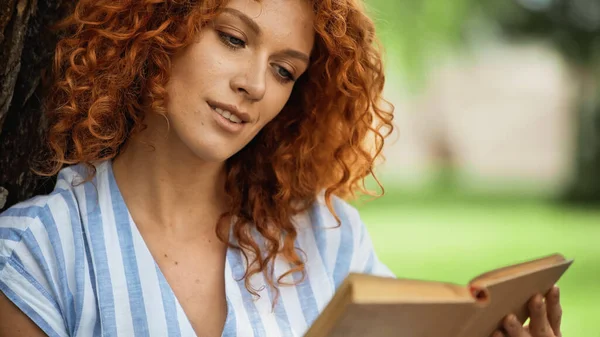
[[231, 117]]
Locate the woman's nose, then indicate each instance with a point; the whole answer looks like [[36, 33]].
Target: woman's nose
[[251, 81]]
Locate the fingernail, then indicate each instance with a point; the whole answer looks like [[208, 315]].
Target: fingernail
[[538, 302], [512, 321], [557, 291]]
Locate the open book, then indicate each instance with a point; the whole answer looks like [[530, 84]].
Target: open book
[[375, 306]]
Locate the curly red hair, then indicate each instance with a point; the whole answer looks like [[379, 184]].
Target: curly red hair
[[113, 64]]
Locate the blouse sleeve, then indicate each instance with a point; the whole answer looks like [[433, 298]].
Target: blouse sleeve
[[366, 260], [27, 275]]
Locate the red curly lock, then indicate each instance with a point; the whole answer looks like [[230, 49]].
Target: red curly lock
[[114, 63]]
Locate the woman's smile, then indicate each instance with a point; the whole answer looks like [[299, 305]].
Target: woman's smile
[[228, 121]]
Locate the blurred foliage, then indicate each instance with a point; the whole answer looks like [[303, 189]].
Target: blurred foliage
[[572, 26], [414, 31], [417, 33]]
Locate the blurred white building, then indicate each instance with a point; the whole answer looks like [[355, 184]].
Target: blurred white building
[[503, 115]]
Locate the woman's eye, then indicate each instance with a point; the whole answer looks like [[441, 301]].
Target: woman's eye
[[284, 73], [231, 41]]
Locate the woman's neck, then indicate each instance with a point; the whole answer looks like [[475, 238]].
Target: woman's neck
[[168, 188]]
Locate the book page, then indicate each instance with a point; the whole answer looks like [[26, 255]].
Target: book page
[[500, 274], [376, 290]]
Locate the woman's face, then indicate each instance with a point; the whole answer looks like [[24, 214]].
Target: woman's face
[[238, 75]]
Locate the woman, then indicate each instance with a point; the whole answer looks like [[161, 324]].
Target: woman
[[202, 148]]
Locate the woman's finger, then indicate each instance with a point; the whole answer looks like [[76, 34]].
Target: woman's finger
[[498, 333], [514, 328], [554, 310], [539, 325]]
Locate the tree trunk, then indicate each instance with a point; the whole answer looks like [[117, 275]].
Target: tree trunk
[[26, 49], [585, 186]]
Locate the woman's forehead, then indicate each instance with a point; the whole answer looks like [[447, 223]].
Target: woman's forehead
[[289, 21], [284, 10]]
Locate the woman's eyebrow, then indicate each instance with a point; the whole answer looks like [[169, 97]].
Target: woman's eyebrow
[[296, 54], [247, 20]]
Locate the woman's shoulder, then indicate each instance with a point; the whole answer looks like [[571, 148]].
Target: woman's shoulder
[[42, 251], [32, 260], [342, 246], [43, 224], [47, 209], [320, 215]]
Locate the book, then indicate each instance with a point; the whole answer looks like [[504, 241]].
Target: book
[[373, 306]]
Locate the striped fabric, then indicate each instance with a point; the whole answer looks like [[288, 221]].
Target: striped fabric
[[75, 263]]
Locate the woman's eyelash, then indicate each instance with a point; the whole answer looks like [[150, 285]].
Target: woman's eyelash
[[231, 41], [286, 76]]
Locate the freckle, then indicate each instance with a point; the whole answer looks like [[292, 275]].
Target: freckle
[[197, 281], [166, 255], [176, 262], [202, 123]]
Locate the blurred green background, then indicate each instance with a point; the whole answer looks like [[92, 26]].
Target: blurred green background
[[496, 154]]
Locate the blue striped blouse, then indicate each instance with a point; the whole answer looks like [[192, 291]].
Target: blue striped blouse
[[75, 263]]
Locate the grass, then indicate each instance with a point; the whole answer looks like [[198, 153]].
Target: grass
[[451, 236]]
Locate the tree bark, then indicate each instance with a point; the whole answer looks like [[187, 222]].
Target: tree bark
[[585, 186], [26, 47]]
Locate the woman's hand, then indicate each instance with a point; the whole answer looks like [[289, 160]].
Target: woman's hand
[[545, 318]]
